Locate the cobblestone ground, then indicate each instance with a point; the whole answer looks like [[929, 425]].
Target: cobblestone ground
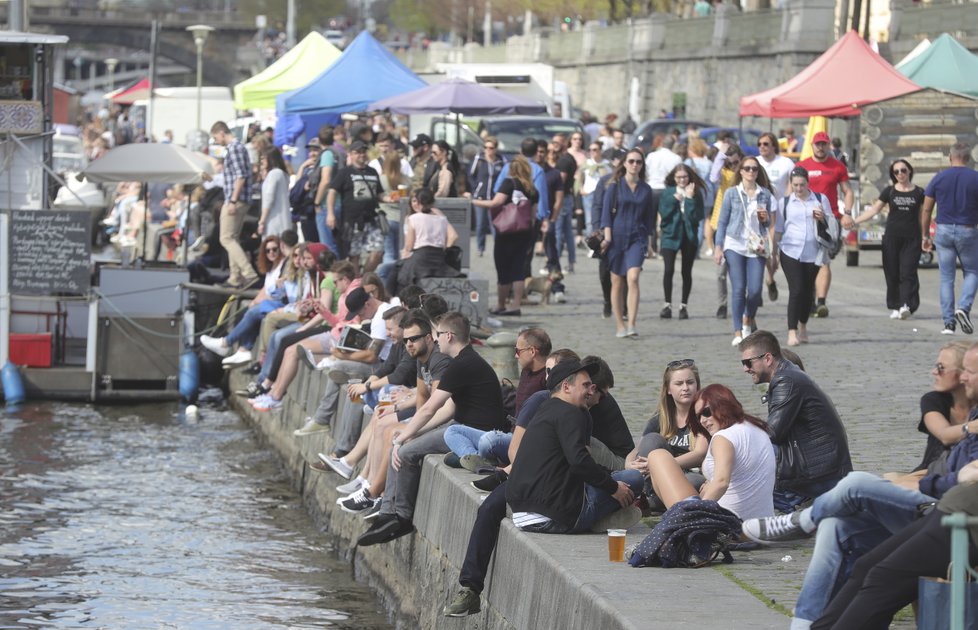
[[874, 369]]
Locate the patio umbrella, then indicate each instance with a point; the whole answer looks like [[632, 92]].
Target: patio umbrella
[[458, 96], [150, 162]]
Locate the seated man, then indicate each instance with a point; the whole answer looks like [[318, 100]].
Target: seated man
[[469, 393], [611, 439], [480, 449], [430, 368], [357, 363], [808, 435], [861, 512], [555, 487]]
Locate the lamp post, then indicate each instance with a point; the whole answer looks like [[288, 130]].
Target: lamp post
[[111, 64], [200, 32]]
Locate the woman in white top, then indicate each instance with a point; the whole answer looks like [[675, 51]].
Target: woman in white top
[[428, 235], [276, 216], [796, 250], [739, 465]]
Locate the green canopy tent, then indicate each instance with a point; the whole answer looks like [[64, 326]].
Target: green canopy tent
[[944, 65], [306, 61]]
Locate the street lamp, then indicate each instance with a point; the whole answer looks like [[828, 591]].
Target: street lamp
[[111, 63], [200, 32]]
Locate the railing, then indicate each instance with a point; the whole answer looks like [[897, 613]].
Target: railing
[[218, 19]]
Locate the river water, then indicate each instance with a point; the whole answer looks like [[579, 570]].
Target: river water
[[136, 517]]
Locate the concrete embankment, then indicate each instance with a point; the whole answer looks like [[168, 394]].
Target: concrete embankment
[[536, 581]]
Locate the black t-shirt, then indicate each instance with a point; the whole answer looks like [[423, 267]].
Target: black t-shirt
[[903, 218], [360, 190], [509, 185], [568, 165], [434, 368], [610, 428], [941, 403], [475, 391], [679, 443], [554, 184]]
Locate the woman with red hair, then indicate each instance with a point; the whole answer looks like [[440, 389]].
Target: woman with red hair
[[739, 465]]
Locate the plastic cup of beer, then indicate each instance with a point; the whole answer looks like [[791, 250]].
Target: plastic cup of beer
[[356, 381], [616, 545]]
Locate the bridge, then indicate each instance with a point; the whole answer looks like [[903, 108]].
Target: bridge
[[131, 29]]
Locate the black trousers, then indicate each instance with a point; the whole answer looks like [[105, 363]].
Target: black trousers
[[901, 257], [688, 249], [482, 540], [288, 341], [801, 289], [885, 580], [604, 275]]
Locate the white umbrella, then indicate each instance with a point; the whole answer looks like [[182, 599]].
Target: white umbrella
[[150, 162]]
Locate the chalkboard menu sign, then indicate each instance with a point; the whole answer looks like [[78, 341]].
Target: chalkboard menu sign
[[50, 251]]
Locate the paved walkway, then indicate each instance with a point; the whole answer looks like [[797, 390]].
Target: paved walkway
[[874, 369]]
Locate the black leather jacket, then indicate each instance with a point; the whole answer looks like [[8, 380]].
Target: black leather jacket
[[807, 432]]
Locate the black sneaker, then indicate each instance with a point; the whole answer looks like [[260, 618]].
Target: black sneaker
[[683, 313], [384, 531], [358, 502], [666, 313], [253, 369], [490, 482], [772, 291], [948, 328], [466, 603], [607, 311], [722, 311], [452, 460], [964, 321], [255, 389], [821, 310]]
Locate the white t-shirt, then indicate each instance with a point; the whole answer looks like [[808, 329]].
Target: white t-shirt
[[779, 172], [378, 330], [273, 275], [751, 490], [657, 166], [739, 243]]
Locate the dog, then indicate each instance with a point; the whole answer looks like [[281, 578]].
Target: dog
[[542, 285]]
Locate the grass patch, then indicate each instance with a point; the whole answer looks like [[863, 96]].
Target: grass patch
[[753, 590]]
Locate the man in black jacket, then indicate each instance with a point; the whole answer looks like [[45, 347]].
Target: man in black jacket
[[482, 182], [557, 489], [810, 440]]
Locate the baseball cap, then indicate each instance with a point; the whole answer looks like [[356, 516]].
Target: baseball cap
[[314, 144], [567, 367], [358, 146], [355, 301], [420, 139], [821, 136]]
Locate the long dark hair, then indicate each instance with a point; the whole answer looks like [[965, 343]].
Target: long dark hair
[[620, 171], [694, 177], [762, 178], [273, 158], [451, 155], [901, 161], [727, 410]]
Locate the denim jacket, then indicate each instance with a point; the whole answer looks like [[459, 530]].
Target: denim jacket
[[732, 212]]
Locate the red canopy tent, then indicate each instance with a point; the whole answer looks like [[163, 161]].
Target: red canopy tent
[[845, 77], [132, 94]]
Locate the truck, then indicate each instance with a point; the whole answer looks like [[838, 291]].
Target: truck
[[175, 109]]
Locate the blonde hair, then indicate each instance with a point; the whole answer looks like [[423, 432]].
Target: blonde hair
[[668, 425]]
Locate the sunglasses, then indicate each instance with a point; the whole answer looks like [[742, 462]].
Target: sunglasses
[[271, 250], [681, 363], [705, 412], [897, 171], [764, 144], [749, 361], [633, 161], [940, 368], [520, 351], [750, 169], [415, 338]]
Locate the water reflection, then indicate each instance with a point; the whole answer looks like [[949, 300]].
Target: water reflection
[[133, 517]]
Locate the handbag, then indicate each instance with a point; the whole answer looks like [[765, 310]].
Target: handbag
[[383, 222], [934, 597], [513, 217]]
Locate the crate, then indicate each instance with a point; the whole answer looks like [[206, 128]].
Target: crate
[[31, 350]]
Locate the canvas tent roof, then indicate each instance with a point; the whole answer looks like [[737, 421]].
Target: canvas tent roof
[[366, 72], [845, 77], [131, 94], [150, 162], [296, 68], [944, 65], [459, 96]]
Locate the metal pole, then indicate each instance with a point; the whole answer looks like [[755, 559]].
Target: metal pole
[[4, 288], [154, 47], [290, 24], [487, 25], [200, 76]]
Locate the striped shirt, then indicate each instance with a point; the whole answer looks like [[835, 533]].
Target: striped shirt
[[236, 166]]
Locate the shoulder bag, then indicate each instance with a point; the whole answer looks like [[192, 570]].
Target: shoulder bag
[[513, 217]]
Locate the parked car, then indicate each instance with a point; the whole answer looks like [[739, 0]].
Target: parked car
[[508, 130], [645, 134], [746, 138]]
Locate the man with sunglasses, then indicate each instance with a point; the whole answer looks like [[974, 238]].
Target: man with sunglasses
[[827, 175], [808, 435], [482, 177], [859, 516], [778, 169]]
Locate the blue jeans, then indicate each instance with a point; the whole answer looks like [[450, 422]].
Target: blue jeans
[[392, 242], [325, 234], [861, 511], [746, 281], [953, 243], [246, 331], [483, 227], [273, 344], [597, 505], [787, 501], [565, 230], [587, 203], [494, 446], [463, 440]]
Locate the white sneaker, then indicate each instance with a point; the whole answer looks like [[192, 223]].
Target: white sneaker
[[350, 487], [243, 355], [905, 312], [895, 315], [341, 467], [309, 428], [736, 341], [560, 298], [745, 331], [215, 345]]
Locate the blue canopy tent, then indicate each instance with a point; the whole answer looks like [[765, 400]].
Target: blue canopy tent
[[366, 72]]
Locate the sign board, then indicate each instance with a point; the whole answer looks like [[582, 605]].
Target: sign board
[[458, 211], [50, 251]]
